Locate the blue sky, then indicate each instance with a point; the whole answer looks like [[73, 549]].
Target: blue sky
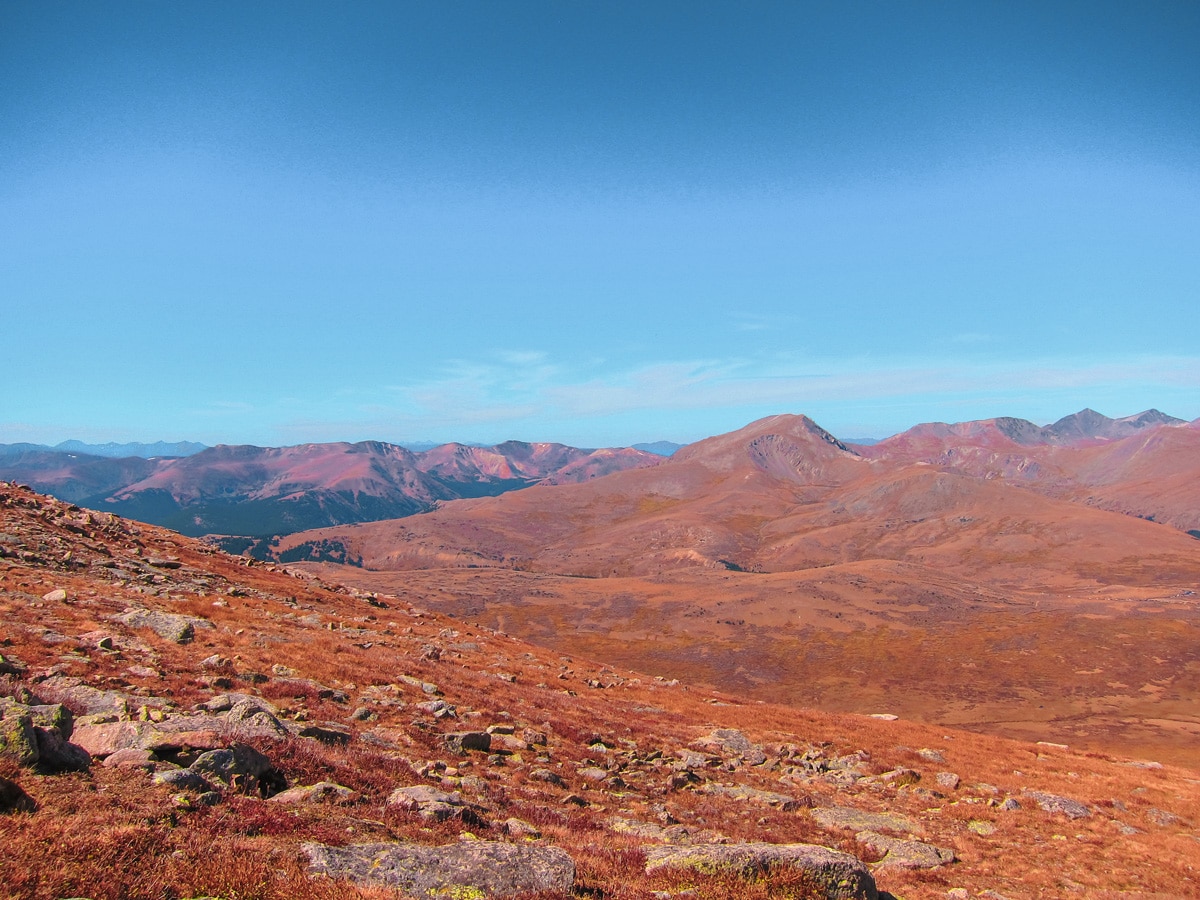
[[597, 223]]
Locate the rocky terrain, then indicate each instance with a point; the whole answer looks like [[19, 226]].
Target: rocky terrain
[[180, 722], [257, 492]]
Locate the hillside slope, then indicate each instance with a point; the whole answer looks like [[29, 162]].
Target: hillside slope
[[181, 722]]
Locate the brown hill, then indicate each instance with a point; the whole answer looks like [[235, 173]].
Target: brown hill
[[783, 563], [1145, 465], [783, 495], [228, 728]]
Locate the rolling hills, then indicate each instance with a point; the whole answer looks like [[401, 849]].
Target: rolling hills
[[176, 721], [995, 575]]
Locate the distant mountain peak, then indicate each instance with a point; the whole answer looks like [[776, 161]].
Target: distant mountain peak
[[1087, 424], [114, 450]]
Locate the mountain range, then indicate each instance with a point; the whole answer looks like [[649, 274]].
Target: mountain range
[[994, 575], [111, 449], [255, 491]]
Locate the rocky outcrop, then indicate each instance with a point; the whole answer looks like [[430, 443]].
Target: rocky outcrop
[[172, 627], [238, 766], [1053, 803], [469, 869], [428, 802], [860, 820], [754, 795], [321, 792], [17, 739], [733, 745], [38, 735], [57, 754], [838, 875], [905, 854]]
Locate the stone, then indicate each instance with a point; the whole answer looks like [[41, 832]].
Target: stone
[[44, 715], [173, 734], [55, 596], [547, 776], [17, 739], [326, 733], [508, 742], [463, 741], [57, 754], [472, 869], [251, 719], [172, 627], [1162, 818], [86, 700], [9, 666], [905, 854], [593, 774], [183, 778], [321, 792], [130, 758], [14, 799], [239, 766], [948, 780], [838, 875], [860, 820], [515, 827], [428, 802], [1052, 803], [731, 742], [930, 755], [767, 798]]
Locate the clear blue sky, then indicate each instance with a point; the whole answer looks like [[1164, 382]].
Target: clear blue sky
[[594, 222]]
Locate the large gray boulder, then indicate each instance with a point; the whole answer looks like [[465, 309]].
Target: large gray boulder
[[86, 700], [1053, 803], [733, 744], [428, 802], [173, 627], [471, 868], [861, 820], [173, 734], [905, 854], [839, 875]]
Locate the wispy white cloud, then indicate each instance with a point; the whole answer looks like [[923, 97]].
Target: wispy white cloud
[[540, 396], [508, 389]]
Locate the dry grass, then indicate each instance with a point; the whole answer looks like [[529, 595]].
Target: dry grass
[[110, 834]]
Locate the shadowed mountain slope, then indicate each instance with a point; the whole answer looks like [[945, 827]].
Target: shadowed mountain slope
[[246, 490]]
